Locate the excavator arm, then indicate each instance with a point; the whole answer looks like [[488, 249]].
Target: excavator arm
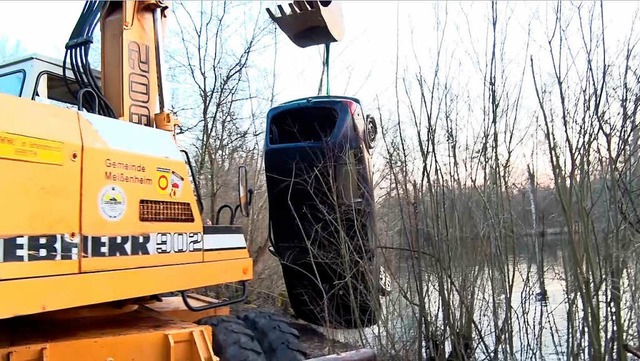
[[132, 59]]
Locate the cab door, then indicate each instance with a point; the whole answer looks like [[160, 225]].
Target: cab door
[[40, 158]]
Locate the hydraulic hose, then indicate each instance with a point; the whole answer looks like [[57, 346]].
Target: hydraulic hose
[[77, 53]]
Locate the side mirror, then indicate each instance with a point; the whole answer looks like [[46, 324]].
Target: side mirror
[[371, 131], [244, 193]]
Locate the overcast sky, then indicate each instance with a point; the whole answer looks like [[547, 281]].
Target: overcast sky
[[44, 27], [364, 63]]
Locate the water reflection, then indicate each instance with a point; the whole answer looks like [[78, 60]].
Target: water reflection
[[541, 329]]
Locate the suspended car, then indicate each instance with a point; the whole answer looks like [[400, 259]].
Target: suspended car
[[321, 209]]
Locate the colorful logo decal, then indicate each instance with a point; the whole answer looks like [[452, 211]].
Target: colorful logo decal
[[112, 203], [169, 182], [176, 185], [163, 175]]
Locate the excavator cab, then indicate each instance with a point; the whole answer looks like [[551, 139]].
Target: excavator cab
[[39, 78]]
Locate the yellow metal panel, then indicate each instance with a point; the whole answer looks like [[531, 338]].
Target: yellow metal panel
[[137, 335], [211, 256], [40, 162], [134, 178], [124, 262], [203, 344], [11, 270], [60, 292], [136, 175], [193, 346]]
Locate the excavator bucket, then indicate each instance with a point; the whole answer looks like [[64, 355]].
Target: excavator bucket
[[311, 22]]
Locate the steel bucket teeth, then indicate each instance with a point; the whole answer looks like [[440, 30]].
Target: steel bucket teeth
[[311, 22]]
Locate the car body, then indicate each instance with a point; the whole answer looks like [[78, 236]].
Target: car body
[[321, 206]]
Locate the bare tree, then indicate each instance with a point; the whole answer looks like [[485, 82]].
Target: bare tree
[[10, 49], [213, 55]]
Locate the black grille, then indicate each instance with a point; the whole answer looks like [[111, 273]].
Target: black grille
[[165, 211]]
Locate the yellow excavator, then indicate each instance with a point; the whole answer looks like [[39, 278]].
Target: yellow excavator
[[101, 234]]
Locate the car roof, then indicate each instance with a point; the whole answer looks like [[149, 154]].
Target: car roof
[[322, 97]]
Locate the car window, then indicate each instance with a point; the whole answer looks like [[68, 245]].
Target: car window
[[302, 125], [11, 83]]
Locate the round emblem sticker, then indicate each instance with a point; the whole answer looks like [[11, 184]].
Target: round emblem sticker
[[112, 203]]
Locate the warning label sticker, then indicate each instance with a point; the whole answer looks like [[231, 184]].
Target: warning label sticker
[[29, 149], [169, 182]]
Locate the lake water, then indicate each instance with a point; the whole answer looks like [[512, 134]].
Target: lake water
[[540, 329]]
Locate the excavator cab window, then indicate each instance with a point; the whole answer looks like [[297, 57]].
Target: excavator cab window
[[51, 88], [12, 83]]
